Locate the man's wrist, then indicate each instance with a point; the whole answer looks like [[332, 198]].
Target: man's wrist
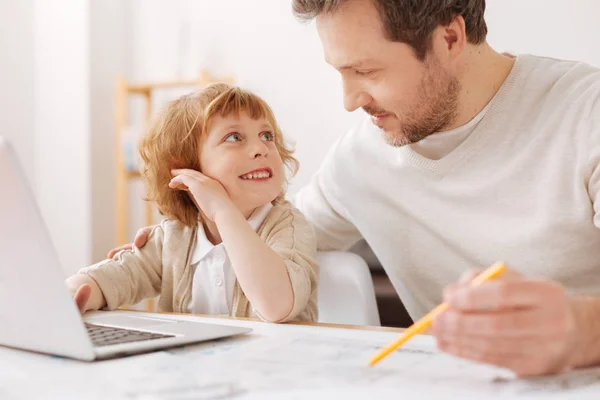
[[586, 337]]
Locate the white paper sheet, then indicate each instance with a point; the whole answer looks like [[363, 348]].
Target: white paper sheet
[[281, 361]]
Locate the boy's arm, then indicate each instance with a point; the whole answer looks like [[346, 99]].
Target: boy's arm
[[129, 277], [93, 301], [260, 271], [279, 276]]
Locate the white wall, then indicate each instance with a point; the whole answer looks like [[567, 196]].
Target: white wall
[[16, 78], [268, 51], [110, 52], [73, 52], [62, 126], [263, 47], [80, 47], [565, 29]]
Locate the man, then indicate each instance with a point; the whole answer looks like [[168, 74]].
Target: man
[[468, 157]]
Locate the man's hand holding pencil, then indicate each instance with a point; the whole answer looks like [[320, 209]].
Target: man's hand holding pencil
[[528, 325]]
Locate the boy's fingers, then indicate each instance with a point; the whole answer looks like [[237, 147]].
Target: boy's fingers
[[82, 295], [180, 182]]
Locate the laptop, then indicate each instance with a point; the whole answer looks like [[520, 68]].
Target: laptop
[[37, 312]]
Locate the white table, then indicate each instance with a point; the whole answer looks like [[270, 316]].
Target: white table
[[281, 362]]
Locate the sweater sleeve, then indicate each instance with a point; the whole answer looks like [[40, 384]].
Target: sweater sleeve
[[333, 230], [591, 125], [293, 238], [131, 275]]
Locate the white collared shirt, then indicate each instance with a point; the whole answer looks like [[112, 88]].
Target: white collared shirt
[[214, 278]]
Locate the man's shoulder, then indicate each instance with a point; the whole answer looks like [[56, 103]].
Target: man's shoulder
[[566, 84], [558, 69]]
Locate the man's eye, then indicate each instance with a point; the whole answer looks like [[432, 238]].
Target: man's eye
[[234, 137]]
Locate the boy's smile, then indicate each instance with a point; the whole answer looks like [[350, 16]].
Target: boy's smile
[[259, 174], [240, 153]]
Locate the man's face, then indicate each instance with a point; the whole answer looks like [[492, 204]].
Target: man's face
[[407, 98]]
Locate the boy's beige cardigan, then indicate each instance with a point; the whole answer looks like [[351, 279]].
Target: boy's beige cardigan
[[162, 266]]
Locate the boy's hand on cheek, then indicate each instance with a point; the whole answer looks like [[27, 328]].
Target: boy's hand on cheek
[[208, 194]]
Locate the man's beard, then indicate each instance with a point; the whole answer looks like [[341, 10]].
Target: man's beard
[[436, 108]]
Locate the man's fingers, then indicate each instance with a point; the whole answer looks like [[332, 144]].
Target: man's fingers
[[469, 275], [484, 353], [463, 282], [112, 253], [141, 237], [82, 296], [521, 355], [465, 279], [502, 324], [497, 347], [502, 294]]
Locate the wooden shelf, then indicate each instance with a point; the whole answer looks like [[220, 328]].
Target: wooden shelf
[[134, 174]]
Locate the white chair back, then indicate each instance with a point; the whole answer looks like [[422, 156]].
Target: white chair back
[[346, 294]]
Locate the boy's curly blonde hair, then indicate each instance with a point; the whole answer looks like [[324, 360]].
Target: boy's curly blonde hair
[[173, 142]]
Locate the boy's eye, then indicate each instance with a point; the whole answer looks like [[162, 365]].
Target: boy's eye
[[268, 136], [233, 137]]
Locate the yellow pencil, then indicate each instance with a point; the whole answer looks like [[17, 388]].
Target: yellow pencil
[[492, 272]]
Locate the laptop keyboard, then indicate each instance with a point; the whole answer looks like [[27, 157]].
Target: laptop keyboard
[[107, 335]]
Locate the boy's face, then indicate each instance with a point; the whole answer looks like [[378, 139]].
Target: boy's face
[[240, 153]]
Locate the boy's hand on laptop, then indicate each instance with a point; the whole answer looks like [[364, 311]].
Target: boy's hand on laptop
[[86, 293], [208, 194], [82, 296]]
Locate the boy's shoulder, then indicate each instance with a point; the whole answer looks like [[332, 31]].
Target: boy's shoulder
[[284, 210], [174, 230], [285, 214]]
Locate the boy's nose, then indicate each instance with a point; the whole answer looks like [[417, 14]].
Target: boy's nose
[[259, 150]]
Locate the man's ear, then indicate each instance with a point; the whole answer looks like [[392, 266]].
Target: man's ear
[[450, 41]]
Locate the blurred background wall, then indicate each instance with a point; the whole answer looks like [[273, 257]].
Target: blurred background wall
[[61, 58]]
